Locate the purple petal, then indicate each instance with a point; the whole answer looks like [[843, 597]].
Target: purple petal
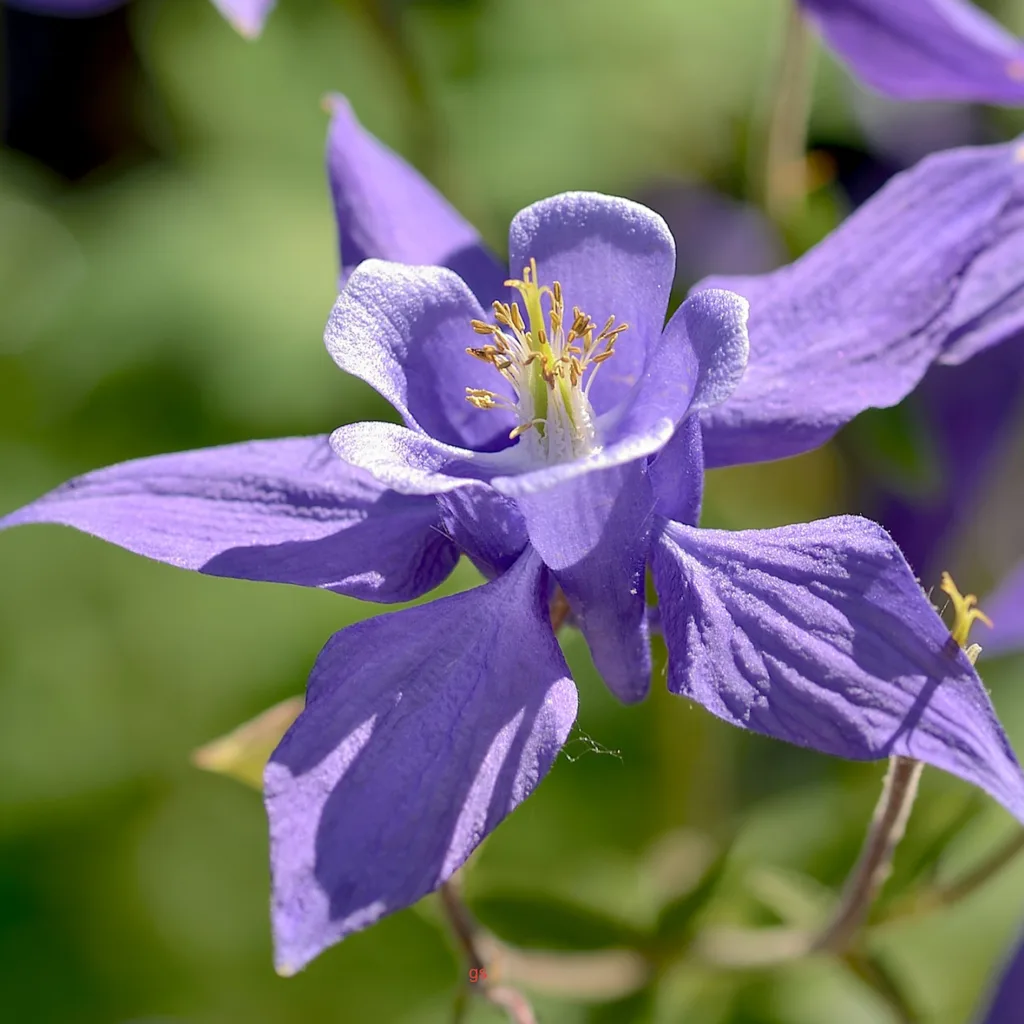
[[924, 49], [855, 323], [422, 730], [405, 331], [284, 511], [247, 16], [613, 257], [387, 210], [1008, 999], [486, 526], [714, 325], [1006, 610], [677, 474], [819, 635], [989, 305], [593, 532]]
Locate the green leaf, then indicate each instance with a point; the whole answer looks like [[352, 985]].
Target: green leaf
[[676, 921], [539, 921], [637, 1008]]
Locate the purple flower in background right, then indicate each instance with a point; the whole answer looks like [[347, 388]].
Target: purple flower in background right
[[928, 270], [1007, 1005], [924, 49]]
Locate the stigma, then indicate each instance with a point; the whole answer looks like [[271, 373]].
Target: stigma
[[550, 364], [965, 611]]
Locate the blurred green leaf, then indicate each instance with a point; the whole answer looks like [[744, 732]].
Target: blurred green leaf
[[677, 919], [637, 1008], [536, 921]]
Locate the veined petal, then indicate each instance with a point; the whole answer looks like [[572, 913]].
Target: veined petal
[[924, 49], [405, 331], [613, 257], [989, 306], [247, 16], [855, 323], [387, 210], [1006, 610], [286, 511], [1008, 997], [422, 730], [593, 532], [819, 634]]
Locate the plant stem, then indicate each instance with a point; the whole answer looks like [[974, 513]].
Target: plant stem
[[888, 824], [784, 173], [468, 934]]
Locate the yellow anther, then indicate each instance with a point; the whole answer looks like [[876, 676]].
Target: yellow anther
[[965, 611]]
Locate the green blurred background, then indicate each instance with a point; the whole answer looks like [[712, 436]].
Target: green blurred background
[[168, 290]]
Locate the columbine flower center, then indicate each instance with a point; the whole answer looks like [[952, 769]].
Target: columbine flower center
[[551, 369]]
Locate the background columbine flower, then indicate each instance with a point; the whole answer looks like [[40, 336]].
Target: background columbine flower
[[924, 49], [247, 16], [1007, 999], [423, 728]]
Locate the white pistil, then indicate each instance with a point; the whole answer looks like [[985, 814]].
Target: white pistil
[[546, 366]]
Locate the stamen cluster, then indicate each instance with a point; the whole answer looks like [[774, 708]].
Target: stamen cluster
[[546, 366]]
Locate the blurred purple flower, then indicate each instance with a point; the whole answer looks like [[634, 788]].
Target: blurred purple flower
[[247, 16], [925, 276], [1007, 1001], [575, 463], [924, 49]]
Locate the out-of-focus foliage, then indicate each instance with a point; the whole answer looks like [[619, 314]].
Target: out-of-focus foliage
[[175, 297]]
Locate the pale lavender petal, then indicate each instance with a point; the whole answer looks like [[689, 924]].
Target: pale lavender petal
[[924, 49], [405, 331], [1006, 610], [593, 532], [820, 635], [1008, 1000], [247, 16], [855, 323], [286, 511], [386, 210], [422, 730], [407, 461], [613, 257]]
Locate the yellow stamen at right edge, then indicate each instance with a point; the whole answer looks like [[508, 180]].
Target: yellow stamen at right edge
[[965, 611]]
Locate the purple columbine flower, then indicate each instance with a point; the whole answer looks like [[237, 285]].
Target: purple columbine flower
[[924, 49], [247, 16], [556, 440]]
